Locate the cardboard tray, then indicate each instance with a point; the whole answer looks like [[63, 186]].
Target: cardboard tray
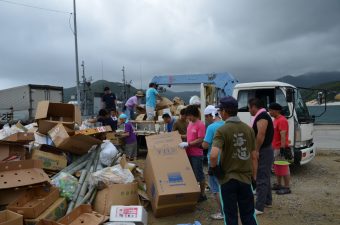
[[83, 214], [10, 218], [8, 149], [23, 137], [21, 173], [93, 131], [54, 212], [34, 201]]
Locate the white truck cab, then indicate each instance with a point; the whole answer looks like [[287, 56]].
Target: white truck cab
[[294, 109]]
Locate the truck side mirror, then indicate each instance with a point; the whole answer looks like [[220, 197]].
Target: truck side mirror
[[290, 95]]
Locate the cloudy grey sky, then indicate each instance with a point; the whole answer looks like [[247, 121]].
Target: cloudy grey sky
[[253, 40]]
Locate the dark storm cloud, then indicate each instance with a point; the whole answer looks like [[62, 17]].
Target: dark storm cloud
[[254, 40]]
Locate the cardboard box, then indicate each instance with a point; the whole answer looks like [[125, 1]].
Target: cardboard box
[[21, 173], [163, 104], [9, 195], [54, 212], [116, 194], [34, 201], [170, 181], [136, 214], [24, 137], [119, 223], [10, 218], [77, 144], [52, 157], [42, 139], [83, 214], [8, 150], [93, 131], [49, 114], [114, 139]]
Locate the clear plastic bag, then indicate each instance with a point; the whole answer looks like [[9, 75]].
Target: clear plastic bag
[[67, 184], [108, 153], [111, 175]]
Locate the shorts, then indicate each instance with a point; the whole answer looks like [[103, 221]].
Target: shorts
[[197, 166], [213, 184], [278, 157], [150, 113]]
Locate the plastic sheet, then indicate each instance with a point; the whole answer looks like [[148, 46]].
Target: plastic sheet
[[67, 184]]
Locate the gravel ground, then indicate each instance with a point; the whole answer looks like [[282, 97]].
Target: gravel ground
[[315, 198]]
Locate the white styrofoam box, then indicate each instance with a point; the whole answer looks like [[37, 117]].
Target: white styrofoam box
[[136, 214]]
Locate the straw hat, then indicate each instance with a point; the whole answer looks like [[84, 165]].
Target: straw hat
[[139, 94]]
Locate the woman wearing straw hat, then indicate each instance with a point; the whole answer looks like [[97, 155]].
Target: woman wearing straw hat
[[131, 104]]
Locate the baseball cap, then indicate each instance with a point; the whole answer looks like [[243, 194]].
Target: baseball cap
[[210, 110], [227, 102], [275, 106]]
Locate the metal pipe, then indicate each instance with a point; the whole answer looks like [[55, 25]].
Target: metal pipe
[[76, 193]]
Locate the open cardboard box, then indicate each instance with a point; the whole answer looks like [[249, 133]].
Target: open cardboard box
[[21, 173], [52, 213], [52, 157], [77, 144], [171, 183], [10, 218], [34, 201], [116, 194], [94, 131], [83, 214], [49, 114], [11, 149], [24, 137]]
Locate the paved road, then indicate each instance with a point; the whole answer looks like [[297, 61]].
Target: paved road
[[327, 137]]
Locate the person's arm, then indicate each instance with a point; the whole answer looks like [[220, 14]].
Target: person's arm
[[103, 103], [196, 142], [92, 120], [261, 132], [283, 138], [217, 145], [208, 138], [157, 95], [254, 155]]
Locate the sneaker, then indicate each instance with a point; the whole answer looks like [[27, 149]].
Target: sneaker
[[276, 187], [283, 191], [257, 212], [217, 216], [202, 198]]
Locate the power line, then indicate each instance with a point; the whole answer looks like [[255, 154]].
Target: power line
[[35, 7]]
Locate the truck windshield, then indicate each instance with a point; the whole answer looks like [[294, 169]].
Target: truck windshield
[[301, 109]]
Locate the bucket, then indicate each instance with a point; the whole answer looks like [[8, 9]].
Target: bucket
[[281, 168]]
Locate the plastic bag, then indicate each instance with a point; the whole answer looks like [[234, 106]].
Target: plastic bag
[[111, 175], [195, 100], [67, 184], [108, 153]]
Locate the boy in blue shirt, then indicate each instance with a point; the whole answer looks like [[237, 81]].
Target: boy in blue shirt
[[212, 117], [151, 97]]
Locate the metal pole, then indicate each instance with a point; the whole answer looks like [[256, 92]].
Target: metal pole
[[124, 84], [76, 51]]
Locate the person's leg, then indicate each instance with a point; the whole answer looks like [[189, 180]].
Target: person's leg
[[128, 150], [150, 112], [263, 186], [245, 200], [127, 113], [197, 167], [132, 113], [229, 202], [134, 151]]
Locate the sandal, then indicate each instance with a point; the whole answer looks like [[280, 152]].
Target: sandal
[[277, 187], [283, 191]]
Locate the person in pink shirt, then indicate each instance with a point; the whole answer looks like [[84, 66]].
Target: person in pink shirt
[[195, 136]]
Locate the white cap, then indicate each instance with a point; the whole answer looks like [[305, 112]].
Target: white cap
[[195, 100], [210, 110]]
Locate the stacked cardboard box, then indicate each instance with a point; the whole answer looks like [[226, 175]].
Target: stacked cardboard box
[[171, 183]]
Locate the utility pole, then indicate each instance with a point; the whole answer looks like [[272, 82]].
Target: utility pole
[[124, 84], [76, 51], [84, 100]]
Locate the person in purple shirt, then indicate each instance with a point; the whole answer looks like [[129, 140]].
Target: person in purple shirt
[[131, 104], [129, 137]]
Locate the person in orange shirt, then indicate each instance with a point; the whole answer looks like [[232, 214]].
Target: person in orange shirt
[[280, 144]]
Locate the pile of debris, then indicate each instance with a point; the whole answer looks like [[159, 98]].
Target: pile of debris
[[51, 172]]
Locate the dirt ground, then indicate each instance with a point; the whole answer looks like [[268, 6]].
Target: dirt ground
[[315, 198]]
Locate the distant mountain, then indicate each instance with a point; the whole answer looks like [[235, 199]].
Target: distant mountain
[[97, 87], [311, 79]]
